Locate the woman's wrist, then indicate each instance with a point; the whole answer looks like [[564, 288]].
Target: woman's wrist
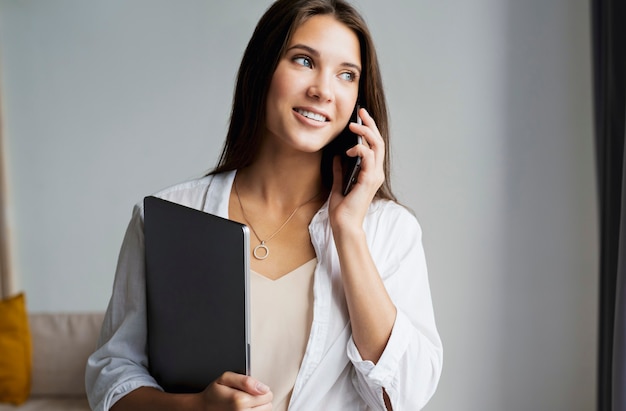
[[153, 399], [192, 402], [348, 233]]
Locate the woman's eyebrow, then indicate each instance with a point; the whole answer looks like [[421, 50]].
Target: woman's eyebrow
[[316, 53], [308, 49]]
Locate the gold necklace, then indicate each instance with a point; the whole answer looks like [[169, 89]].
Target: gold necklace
[[263, 245]]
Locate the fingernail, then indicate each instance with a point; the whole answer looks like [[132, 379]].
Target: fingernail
[[262, 387]]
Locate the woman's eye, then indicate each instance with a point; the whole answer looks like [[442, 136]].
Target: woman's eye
[[303, 61], [348, 76]]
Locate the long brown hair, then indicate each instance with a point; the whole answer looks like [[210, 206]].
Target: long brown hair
[[265, 49]]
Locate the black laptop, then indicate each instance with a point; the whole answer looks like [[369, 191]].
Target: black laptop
[[197, 282]]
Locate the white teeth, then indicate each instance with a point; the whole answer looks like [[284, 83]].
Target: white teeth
[[311, 115]]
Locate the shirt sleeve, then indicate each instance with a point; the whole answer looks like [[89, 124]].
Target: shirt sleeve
[[120, 363], [410, 366]]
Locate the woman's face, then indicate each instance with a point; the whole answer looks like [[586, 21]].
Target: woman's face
[[315, 86]]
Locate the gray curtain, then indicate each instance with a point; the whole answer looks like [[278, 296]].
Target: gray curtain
[[609, 57], [6, 280]]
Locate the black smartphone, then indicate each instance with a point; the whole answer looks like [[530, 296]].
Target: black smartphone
[[350, 165]]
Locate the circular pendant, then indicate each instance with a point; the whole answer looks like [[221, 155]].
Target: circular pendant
[[264, 254]]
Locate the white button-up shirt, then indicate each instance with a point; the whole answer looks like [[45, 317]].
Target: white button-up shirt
[[333, 376]]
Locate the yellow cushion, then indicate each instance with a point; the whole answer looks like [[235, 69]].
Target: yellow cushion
[[15, 351]]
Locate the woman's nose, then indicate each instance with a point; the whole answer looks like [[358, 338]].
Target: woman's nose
[[321, 88]]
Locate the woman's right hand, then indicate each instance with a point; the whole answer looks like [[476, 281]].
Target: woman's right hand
[[237, 392], [230, 392]]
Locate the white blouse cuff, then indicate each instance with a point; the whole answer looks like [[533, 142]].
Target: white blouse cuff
[[381, 374]]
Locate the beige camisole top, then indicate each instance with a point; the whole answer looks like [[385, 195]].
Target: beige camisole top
[[281, 313]]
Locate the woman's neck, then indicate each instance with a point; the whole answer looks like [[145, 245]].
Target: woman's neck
[[282, 182]]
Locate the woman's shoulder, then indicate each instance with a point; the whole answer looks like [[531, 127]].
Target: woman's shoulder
[[392, 215], [185, 188], [190, 193], [383, 208]]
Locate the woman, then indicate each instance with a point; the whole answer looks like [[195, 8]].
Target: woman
[[342, 317]]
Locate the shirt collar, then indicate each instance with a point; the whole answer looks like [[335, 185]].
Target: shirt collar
[[218, 193]]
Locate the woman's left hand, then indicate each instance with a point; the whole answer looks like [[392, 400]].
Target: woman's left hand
[[349, 211]]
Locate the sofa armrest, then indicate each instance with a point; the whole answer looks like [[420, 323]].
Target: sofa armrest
[[62, 342]]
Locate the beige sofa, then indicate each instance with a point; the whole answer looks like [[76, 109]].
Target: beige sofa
[[61, 344]]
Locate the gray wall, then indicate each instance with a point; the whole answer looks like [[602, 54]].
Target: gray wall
[[106, 101]]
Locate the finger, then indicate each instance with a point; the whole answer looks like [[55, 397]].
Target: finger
[[368, 157], [367, 119], [369, 152], [243, 383], [369, 131]]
